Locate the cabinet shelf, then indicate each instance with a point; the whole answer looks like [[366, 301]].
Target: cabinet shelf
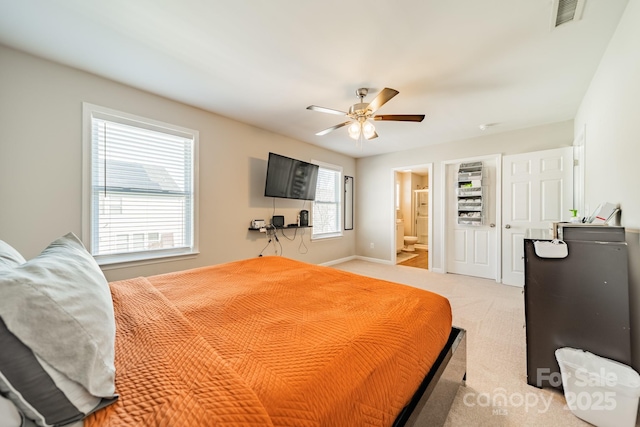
[[470, 221], [470, 192], [470, 167], [469, 176]]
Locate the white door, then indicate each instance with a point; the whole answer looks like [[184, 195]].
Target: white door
[[537, 189], [471, 249]]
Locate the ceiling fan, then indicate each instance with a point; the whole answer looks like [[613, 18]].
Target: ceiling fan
[[361, 114]]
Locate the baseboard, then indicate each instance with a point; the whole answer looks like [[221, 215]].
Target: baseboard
[[338, 261], [376, 260]]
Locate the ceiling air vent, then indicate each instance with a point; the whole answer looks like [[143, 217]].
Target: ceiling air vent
[[566, 11]]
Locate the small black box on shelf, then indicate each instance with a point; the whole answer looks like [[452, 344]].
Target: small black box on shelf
[[277, 221]]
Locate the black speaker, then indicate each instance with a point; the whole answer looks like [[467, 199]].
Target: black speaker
[[277, 221], [304, 218]]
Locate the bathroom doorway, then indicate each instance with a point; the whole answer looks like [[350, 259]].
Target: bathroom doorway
[[413, 215]]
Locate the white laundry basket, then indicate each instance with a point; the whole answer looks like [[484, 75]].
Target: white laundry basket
[[601, 391]]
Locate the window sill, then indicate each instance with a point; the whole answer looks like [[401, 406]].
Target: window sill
[[331, 236], [112, 262]]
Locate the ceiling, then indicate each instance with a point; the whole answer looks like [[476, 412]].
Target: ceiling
[[461, 63]]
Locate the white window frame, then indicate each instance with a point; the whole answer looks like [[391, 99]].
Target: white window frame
[[89, 111], [339, 198]]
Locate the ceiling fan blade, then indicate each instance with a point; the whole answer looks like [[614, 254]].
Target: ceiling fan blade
[[375, 135], [400, 117], [326, 110], [332, 128], [385, 95]]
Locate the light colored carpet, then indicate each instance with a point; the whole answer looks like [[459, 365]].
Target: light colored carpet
[[497, 393]]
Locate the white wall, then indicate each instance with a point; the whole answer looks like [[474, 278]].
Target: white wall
[[610, 117], [375, 181], [41, 159]]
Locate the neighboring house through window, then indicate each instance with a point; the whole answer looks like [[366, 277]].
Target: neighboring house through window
[[140, 185], [327, 205]]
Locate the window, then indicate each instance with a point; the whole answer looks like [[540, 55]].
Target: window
[[140, 185], [326, 207]]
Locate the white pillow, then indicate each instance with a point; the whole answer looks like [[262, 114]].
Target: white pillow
[[9, 257], [56, 317]]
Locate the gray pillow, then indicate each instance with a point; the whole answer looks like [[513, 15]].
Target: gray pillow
[[9, 257], [58, 322]]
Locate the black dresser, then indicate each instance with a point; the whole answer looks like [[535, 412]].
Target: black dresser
[[580, 301]]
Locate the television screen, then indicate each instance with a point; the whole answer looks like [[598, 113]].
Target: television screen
[[290, 178]]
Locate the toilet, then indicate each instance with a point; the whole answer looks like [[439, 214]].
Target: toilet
[[409, 241]]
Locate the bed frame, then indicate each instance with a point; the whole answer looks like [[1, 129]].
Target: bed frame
[[432, 401]]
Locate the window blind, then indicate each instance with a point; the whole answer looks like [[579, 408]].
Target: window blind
[[326, 207], [142, 187]]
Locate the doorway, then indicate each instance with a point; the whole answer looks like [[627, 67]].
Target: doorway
[[412, 208]]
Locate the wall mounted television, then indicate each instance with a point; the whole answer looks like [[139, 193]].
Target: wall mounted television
[[290, 178]]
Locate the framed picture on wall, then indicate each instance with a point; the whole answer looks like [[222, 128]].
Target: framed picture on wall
[[348, 202]]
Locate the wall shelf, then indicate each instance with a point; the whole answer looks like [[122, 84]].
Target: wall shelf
[[289, 227]]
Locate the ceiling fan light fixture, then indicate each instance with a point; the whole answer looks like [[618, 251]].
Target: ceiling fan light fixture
[[368, 129], [354, 130]]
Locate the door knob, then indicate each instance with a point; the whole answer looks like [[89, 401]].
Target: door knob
[[492, 225], [507, 226]]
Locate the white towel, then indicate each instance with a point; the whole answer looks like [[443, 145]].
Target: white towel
[[551, 249]]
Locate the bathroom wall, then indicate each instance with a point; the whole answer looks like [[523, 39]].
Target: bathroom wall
[[409, 181]]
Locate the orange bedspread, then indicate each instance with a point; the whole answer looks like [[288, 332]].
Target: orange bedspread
[[270, 341]]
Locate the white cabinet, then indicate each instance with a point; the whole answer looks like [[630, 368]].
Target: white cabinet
[[470, 194]]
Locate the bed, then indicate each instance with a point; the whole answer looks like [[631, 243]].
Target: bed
[[271, 341]]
